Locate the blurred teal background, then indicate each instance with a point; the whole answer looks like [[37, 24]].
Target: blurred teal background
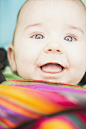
[[8, 17]]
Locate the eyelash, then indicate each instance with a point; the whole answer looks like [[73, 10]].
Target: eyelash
[[36, 35], [72, 36]]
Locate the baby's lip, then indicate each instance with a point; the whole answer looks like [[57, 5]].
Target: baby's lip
[[56, 63], [52, 67]]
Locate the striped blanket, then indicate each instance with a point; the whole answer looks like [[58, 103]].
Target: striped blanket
[[31, 104]]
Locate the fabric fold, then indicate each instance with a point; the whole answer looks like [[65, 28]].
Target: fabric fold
[[42, 104]]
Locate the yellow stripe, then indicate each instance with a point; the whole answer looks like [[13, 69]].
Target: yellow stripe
[[55, 124], [32, 100], [16, 109], [8, 123], [3, 125]]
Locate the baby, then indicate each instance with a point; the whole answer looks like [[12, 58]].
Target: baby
[[50, 41], [49, 44]]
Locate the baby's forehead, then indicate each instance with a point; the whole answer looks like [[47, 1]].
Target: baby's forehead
[[26, 15], [29, 3], [25, 11]]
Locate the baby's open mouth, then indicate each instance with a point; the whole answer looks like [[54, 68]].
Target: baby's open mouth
[[52, 68]]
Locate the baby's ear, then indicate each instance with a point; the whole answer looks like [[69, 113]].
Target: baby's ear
[[11, 57]]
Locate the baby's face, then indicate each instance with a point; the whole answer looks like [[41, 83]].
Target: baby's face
[[50, 42]]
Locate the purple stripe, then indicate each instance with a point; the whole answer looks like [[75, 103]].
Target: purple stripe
[[1, 127], [50, 88], [12, 113]]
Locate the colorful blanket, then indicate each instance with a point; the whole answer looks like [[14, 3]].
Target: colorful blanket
[[30, 104]]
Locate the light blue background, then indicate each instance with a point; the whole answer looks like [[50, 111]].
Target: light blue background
[[8, 16]]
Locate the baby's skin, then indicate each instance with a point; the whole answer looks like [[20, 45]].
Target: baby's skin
[[50, 41]]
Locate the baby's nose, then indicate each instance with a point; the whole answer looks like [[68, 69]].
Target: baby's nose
[[54, 48]]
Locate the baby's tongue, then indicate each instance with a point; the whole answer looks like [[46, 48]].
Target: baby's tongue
[[52, 68]]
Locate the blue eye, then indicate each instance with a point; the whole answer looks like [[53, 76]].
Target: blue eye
[[70, 38], [38, 36]]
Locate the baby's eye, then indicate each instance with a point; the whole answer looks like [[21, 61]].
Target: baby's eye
[[38, 36], [70, 38]]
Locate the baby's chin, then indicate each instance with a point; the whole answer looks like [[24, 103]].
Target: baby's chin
[[51, 80], [60, 77]]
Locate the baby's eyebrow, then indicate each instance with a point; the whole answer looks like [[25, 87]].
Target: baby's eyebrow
[[32, 25], [76, 28], [69, 26]]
